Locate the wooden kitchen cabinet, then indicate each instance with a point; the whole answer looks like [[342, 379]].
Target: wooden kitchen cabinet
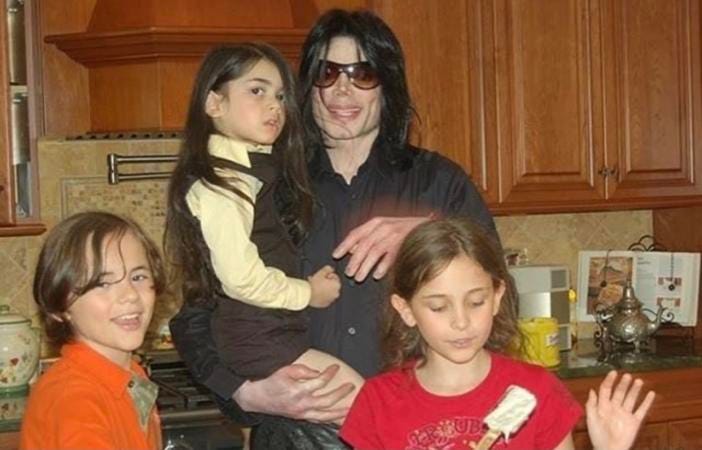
[[18, 184], [6, 189], [685, 434], [674, 421], [651, 437], [447, 71], [599, 103], [9, 440], [550, 119], [652, 50], [560, 105]]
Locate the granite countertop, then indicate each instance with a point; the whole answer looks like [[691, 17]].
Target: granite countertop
[[583, 360], [580, 361]]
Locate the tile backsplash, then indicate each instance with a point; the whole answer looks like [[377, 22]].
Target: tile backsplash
[[73, 176], [557, 238]]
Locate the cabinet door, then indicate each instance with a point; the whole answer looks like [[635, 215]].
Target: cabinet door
[[9, 440], [550, 115], [685, 434], [6, 182], [446, 71], [651, 437], [655, 135]]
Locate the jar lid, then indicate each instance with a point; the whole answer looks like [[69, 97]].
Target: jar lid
[[8, 318]]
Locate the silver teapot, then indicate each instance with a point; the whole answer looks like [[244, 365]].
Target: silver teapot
[[625, 322]]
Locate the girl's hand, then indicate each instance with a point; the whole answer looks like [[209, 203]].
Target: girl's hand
[[326, 285], [612, 422]]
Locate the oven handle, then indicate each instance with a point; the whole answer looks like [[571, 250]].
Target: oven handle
[[191, 416]]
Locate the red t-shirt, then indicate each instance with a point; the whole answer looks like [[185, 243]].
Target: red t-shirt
[[393, 411]]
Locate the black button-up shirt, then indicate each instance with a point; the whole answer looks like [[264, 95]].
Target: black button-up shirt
[[420, 183], [416, 184]]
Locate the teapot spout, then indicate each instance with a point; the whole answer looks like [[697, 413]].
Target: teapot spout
[[653, 325]]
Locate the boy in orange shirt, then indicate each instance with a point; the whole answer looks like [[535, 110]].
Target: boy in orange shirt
[[96, 283]]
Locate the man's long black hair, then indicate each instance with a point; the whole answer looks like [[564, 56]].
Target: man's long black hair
[[384, 53]]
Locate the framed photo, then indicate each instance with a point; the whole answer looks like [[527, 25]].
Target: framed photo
[[602, 277]]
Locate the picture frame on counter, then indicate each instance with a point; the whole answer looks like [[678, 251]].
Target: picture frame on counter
[[668, 279]]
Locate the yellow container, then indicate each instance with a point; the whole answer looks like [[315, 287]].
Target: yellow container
[[540, 341]]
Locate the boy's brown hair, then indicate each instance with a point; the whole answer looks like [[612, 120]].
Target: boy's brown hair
[[63, 273]]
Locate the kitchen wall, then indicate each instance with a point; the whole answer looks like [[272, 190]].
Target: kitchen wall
[[73, 178]]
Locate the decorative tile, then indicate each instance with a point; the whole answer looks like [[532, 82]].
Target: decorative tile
[[557, 238], [73, 178]]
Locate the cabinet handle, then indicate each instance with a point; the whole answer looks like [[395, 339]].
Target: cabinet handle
[[608, 172]]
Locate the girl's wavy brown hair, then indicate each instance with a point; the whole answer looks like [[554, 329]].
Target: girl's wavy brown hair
[[424, 254]]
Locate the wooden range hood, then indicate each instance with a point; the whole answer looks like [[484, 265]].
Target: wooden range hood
[[142, 55]]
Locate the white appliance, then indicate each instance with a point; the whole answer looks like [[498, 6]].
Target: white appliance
[[543, 292]]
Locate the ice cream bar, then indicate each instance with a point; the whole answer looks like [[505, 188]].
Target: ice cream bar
[[508, 416]]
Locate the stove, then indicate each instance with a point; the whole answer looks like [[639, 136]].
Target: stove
[[190, 418]]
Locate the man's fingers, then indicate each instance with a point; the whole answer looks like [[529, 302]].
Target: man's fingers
[[360, 254], [322, 407], [384, 265], [300, 372], [370, 259], [311, 379], [354, 236]]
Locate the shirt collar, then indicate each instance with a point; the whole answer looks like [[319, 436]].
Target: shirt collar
[[377, 160], [112, 376], [234, 150]]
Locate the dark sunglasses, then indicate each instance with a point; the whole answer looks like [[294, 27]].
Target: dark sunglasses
[[361, 74]]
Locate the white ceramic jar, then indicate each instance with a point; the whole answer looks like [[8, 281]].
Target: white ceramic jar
[[19, 350]]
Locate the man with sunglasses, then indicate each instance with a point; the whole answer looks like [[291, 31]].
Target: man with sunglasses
[[372, 188]]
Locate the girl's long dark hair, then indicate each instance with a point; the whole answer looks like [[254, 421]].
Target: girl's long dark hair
[[424, 254], [384, 53], [293, 195]]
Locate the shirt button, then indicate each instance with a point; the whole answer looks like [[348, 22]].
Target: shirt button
[[352, 331]]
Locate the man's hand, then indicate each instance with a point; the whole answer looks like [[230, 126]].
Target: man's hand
[[375, 242], [612, 422], [290, 392]]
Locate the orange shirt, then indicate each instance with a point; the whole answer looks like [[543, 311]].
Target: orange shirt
[[82, 402]]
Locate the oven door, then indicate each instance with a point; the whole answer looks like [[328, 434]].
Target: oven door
[[201, 435]]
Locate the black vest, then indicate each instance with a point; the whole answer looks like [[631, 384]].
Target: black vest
[[256, 341]]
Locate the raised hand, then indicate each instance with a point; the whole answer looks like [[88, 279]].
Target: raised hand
[[612, 421]]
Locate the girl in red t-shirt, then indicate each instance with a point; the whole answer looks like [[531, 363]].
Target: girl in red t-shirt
[[449, 326]]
